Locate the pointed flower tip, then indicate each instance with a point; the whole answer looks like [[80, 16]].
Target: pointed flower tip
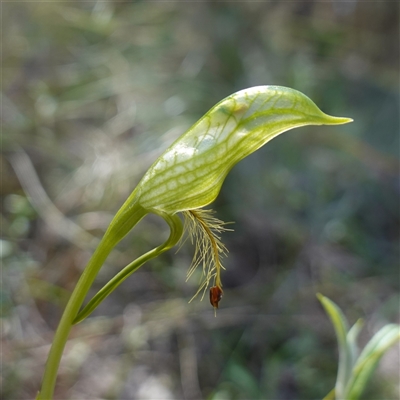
[[330, 120]]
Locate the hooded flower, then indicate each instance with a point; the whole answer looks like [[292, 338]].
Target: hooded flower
[[185, 178], [189, 175]]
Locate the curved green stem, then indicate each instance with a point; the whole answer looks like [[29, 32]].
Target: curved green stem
[[176, 227], [64, 327], [128, 216]]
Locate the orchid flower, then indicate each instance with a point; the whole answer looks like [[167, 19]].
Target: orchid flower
[[185, 178], [190, 173]]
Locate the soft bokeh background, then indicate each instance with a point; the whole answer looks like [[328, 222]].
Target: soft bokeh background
[[92, 94]]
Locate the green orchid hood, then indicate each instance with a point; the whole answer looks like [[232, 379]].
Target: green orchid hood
[[189, 174]]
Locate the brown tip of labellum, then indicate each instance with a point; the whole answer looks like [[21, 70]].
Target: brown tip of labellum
[[215, 295]]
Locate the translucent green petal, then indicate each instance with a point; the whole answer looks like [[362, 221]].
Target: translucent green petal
[[191, 171]]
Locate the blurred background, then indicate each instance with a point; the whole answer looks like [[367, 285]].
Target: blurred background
[[93, 92]]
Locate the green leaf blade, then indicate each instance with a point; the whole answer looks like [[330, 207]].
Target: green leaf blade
[[340, 325], [369, 359], [352, 339]]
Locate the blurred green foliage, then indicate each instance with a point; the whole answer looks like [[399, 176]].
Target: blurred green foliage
[[92, 94], [356, 365]]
